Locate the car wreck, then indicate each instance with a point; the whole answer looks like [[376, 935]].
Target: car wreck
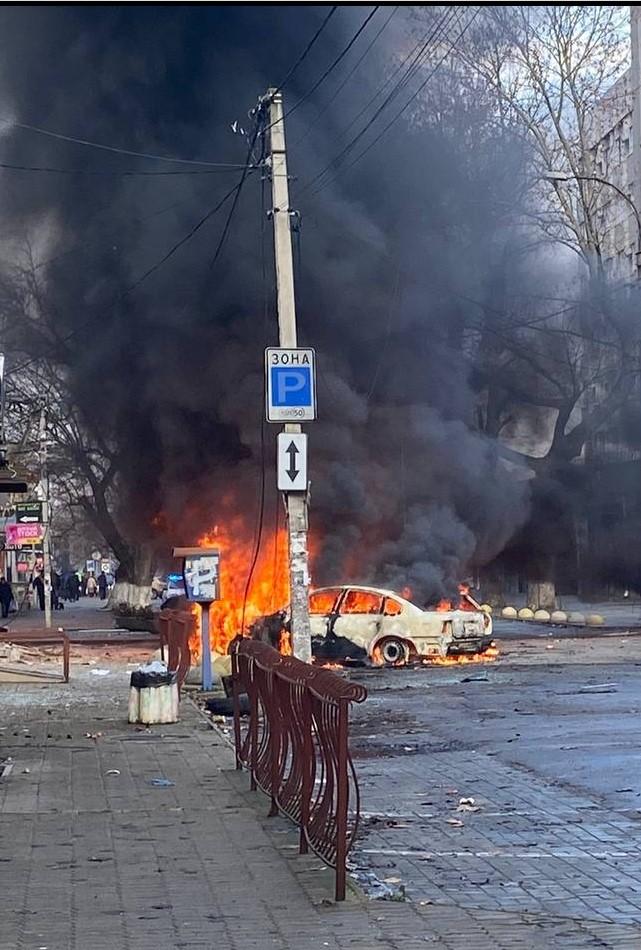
[[370, 624]]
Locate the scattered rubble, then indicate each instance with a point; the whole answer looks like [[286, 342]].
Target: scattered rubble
[[17, 653]]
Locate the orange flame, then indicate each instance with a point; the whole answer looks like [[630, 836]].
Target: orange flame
[[285, 643], [488, 656], [268, 590]]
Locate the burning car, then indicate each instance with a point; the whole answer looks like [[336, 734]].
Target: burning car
[[367, 622]]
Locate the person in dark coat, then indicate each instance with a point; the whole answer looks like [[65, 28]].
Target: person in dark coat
[[102, 585], [6, 596], [73, 584], [38, 585]]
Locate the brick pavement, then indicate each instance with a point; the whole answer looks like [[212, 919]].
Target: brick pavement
[[97, 861]]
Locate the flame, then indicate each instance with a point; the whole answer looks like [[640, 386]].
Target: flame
[[488, 656], [466, 601], [268, 590], [285, 643]]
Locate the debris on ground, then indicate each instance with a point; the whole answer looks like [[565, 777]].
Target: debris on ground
[[160, 782], [20, 653], [468, 804], [600, 688]]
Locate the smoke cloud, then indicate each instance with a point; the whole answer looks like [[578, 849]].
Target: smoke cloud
[[404, 490]]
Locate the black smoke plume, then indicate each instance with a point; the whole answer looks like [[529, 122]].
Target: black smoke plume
[[404, 489]]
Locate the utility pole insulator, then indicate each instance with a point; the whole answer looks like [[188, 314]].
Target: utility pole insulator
[[296, 502]]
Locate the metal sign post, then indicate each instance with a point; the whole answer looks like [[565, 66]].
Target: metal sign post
[[201, 573]]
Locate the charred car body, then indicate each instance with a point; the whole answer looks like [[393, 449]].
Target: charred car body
[[370, 623]]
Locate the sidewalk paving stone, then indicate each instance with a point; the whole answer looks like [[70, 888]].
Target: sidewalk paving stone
[[91, 861]]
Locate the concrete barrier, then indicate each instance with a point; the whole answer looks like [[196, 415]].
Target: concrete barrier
[[526, 614], [543, 616], [509, 613]]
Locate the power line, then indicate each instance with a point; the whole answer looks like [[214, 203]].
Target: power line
[[258, 535], [349, 75], [419, 46], [407, 104], [221, 167], [100, 145], [114, 227], [435, 33], [190, 233], [329, 69], [307, 48], [238, 190]]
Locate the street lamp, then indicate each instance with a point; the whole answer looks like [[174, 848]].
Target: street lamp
[[556, 177]]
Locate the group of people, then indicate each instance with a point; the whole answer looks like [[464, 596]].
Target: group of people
[[75, 585], [70, 586]]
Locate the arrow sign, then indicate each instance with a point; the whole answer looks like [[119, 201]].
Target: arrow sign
[[292, 462], [29, 512]]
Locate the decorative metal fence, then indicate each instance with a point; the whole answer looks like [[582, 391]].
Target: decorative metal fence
[[295, 746], [175, 628]]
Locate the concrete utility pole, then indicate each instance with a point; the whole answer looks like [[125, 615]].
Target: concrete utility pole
[[296, 501], [43, 491]]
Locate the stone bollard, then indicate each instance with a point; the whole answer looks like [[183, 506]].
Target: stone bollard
[[558, 616]]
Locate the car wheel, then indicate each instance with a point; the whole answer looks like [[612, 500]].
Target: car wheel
[[393, 652]]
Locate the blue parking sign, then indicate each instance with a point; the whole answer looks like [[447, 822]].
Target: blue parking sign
[[291, 386]]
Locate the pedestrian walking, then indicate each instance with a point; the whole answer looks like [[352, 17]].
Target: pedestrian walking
[[102, 585], [38, 585], [92, 586], [6, 596], [73, 587]]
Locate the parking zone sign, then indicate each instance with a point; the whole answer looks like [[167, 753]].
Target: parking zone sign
[[290, 376]]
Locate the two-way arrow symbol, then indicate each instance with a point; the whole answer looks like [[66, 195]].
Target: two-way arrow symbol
[[292, 451]]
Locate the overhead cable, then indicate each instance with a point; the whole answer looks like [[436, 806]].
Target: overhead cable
[[100, 145], [421, 52], [349, 75], [221, 167], [409, 101], [307, 49], [329, 69]]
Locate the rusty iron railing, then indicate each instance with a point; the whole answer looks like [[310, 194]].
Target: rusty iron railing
[[175, 628], [295, 746]]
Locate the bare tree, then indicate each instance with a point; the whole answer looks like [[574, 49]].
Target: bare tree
[[84, 458], [553, 71]]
